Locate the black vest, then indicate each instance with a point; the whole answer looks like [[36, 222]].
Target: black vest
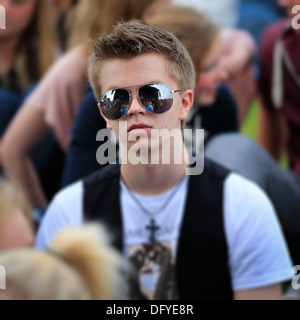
[[202, 270]]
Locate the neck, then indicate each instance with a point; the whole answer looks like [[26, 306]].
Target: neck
[[8, 48], [151, 179]]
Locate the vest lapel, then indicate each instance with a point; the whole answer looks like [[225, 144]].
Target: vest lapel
[[102, 201], [202, 258]]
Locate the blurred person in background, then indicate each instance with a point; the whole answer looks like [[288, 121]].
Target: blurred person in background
[[29, 27], [53, 104], [61, 11], [254, 16], [239, 50], [27, 50], [28, 47], [279, 125], [279, 84]]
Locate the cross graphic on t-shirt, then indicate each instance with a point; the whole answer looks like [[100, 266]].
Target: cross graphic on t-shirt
[[152, 228]]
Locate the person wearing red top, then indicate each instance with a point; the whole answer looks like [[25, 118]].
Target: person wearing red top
[[279, 88]]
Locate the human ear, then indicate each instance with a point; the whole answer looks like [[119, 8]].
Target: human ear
[[187, 99]]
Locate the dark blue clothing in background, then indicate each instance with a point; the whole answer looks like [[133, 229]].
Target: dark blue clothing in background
[[255, 15], [9, 104]]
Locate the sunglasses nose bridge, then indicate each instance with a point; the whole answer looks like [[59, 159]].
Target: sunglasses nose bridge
[[131, 99], [139, 103]]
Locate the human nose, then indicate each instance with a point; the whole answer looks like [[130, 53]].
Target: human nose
[[135, 106]]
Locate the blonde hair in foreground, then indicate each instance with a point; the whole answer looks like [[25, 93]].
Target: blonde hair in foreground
[[80, 266], [12, 198]]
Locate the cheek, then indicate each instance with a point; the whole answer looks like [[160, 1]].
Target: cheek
[[171, 121]]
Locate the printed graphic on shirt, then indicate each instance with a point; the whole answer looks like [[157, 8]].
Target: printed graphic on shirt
[[144, 233], [154, 265]]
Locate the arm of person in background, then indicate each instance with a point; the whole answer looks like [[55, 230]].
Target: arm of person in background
[[51, 106], [239, 50], [26, 130]]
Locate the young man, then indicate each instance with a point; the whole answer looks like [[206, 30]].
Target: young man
[[208, 236]]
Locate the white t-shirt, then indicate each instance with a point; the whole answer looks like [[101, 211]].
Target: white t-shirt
[[258, 254]]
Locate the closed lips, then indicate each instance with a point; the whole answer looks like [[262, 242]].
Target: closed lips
[[138, 126]]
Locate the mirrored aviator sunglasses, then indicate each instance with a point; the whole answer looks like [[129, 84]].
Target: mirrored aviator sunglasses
[[156, 98]]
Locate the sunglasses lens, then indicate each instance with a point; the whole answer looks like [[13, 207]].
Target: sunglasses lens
[[156, 98], [114, 104]]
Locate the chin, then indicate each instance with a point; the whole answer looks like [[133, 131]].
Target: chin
[[143, 144], [140, 153]]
